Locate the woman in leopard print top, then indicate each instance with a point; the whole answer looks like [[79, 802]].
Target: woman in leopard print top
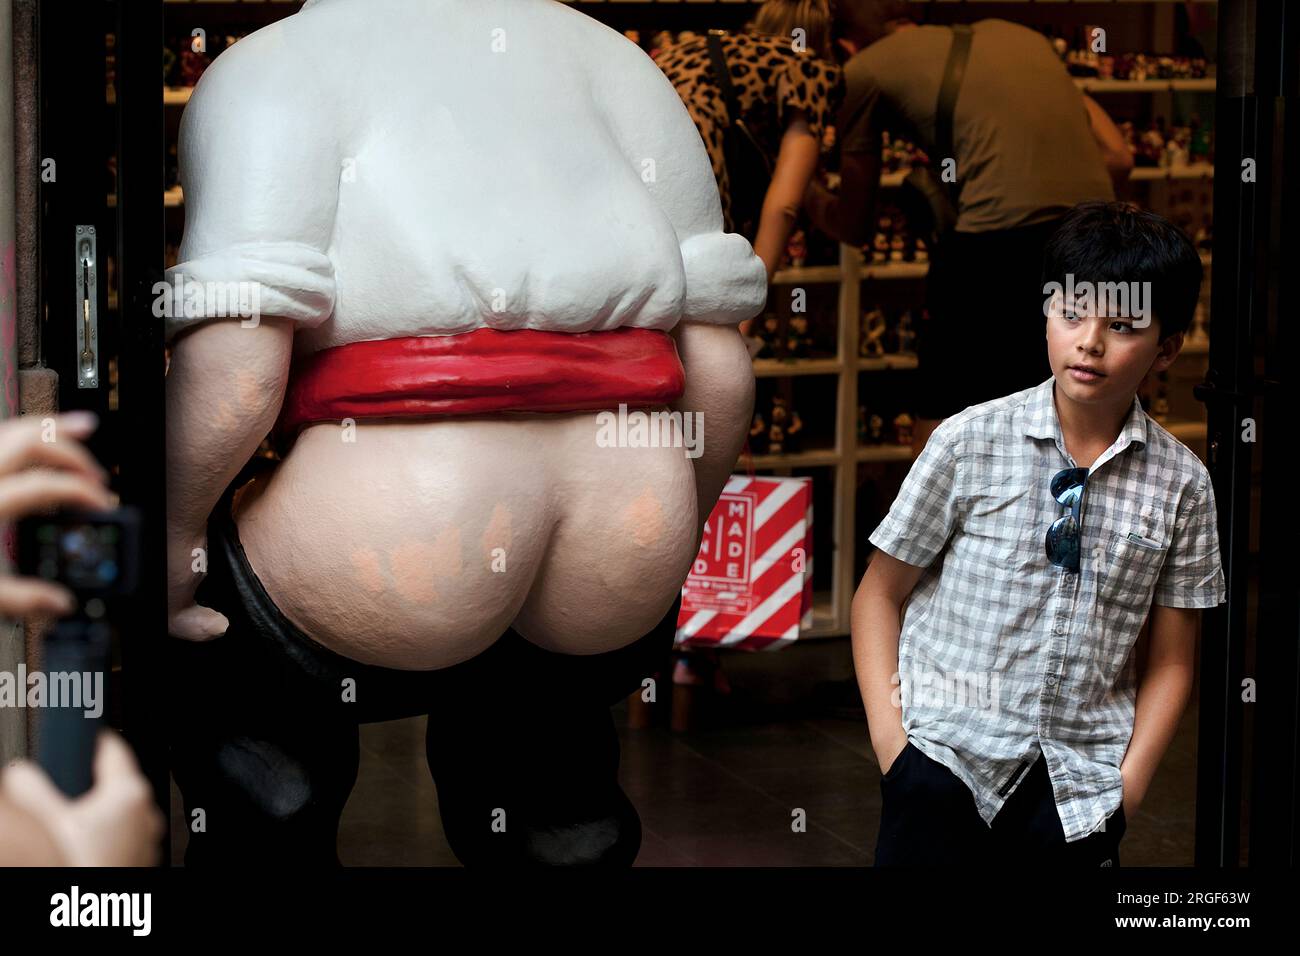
[[786, 97]]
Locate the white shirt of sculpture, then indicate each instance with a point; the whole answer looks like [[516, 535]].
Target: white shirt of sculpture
[[386, 168]]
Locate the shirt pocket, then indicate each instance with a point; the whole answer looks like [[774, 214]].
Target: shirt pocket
[[1131, 571]]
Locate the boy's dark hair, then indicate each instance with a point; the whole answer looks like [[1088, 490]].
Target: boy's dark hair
[[1118, 242]]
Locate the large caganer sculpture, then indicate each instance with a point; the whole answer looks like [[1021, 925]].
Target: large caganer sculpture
[[460, 235]]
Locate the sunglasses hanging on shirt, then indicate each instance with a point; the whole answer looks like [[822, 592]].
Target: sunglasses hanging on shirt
[[1063, 536]]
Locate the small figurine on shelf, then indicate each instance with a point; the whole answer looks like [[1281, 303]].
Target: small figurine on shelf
[[1175, 154], [770, 335], [797, 249], [169, 63], [886, 152], [1160, 407], [904, 154], [1198, 146], [758, 435], [785, 426], [798, 343], [193, 63], [880, 249], [906, 334], [1198, 340], [876, 430], [1150, 148], [873, 334], [1204, 236], [903, 429], [897, 246], [922, 253], [171, 169]]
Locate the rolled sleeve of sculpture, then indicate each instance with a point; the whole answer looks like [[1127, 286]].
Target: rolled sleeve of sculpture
[[260, 172], [725, 282]]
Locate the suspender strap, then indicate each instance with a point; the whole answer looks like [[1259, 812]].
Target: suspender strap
[[953, 72]]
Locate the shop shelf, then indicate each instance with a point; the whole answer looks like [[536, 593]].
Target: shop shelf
[[779, 368], [1095, 85], [171, 198], [806, 274], [1190, 171], [176, 95], [801, 459], [888, 363], [823, 622], [896, 270], [884, 453]]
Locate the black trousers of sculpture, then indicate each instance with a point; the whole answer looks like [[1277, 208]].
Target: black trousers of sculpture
[[264, 735]]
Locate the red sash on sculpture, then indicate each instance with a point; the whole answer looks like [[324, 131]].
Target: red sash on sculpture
[[482, 371]]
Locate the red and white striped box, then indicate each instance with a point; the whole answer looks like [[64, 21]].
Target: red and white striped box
[[751, 584]]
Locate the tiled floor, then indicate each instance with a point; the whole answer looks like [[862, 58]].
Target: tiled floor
[[725, 794]]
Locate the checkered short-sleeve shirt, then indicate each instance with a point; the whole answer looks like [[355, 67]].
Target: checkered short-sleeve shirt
[[1004, 656]]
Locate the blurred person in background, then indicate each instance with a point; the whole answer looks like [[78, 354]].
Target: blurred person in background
[[1029, 146], [788, 88]]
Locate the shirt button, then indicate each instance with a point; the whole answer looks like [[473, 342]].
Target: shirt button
[[1051, 680], [1059, 629]]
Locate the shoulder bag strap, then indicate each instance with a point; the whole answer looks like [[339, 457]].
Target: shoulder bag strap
[[953, 72], [722, 75]]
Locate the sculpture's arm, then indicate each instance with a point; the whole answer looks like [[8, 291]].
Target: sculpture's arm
[[260, 166], [720, 386], [225, 386]]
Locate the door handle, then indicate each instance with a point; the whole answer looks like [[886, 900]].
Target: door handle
[[87, 309]]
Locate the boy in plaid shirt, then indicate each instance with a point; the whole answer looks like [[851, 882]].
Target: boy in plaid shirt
[[1031, 540]]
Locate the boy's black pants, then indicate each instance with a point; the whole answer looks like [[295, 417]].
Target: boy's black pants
[[929, 818]]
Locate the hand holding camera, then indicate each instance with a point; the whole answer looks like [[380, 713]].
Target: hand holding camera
[[43, 465], [77, 814]]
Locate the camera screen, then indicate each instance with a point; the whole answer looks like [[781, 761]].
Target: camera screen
[[83, 556]]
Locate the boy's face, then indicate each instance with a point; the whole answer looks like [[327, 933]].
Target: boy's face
[[1101, 359]]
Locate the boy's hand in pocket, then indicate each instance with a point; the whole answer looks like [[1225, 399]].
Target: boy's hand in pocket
[[888, 751]]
